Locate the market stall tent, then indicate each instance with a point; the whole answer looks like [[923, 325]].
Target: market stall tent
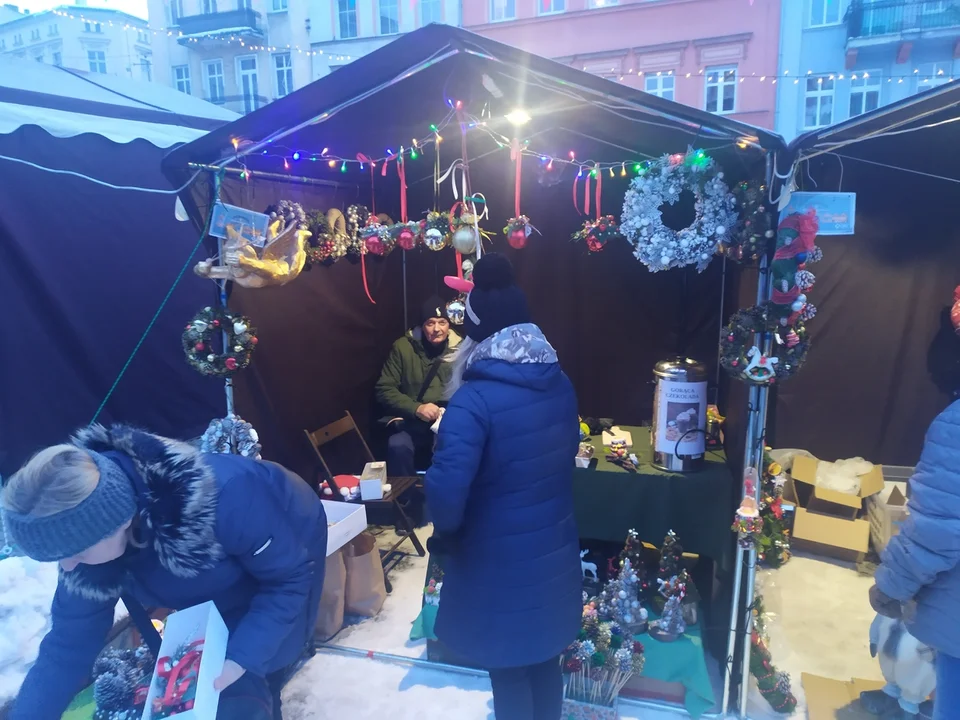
[[84, 266], [885, 359]]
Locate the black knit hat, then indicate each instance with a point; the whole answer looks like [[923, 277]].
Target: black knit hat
[[433, 308], [495, 301]]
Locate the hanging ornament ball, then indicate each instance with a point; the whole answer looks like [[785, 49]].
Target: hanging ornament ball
[[798, 305], [433, 239], [199, 347], [518, 238], [622, 594], [720, 230], [465, 240], [407, 239], [374, 245]]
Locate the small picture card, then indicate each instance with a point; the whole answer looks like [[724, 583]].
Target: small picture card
[[249, 225]]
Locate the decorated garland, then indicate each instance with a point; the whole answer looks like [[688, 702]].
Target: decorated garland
[[658, 246], [197, 339], [289, 212], [435, 230], [796, 249], [740, 357], [774, 685], [517, 230], [377, 238], [597, 233], [231, 436], [755, 235], [773, 543]]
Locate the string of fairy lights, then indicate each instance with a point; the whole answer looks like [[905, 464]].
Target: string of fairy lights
[[290, 157], [928, 79]]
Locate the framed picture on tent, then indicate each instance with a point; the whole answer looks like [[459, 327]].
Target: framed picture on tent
[[249, 225]]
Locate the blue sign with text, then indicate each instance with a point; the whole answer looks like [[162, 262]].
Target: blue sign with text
[[836, 211]]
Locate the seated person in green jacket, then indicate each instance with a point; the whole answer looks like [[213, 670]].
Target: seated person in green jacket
[[411, 387]]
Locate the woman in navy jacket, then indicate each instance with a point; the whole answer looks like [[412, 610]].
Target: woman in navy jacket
[[127, 512], [500, 492]]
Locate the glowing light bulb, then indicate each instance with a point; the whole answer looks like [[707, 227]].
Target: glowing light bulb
[[518, 117], [286, 165], [623, 170], [296, 155], [332, 163]]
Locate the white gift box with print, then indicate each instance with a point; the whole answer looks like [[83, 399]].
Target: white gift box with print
[[200, 622], [344, 522]]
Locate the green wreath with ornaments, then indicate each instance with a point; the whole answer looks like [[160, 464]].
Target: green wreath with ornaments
[[741, 358], [240, 339]]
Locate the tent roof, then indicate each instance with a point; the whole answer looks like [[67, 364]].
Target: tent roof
[[73, 102], [394, 93], [910, 135]]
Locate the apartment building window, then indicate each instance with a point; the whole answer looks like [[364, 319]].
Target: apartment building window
[[660, 84], [934, 74], [283, 69], [35, 34], [503, 10], [431, 11], [209, 6], [146, 67], [143, 37], [249, 81], [213, 74], [347, 18], [53, 30], [721, 96], [279, 5], [93, 27], [176, 11], [3, 44], [601, 3], [548, 7], [864, 92], [98, 61], [244, 4], [17, 40], [824, 12], [389, 21], [58, 59], [818, 102], [181, 78]]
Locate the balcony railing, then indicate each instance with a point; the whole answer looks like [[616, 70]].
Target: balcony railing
[[241, 104], [876, 18], [239, 22]]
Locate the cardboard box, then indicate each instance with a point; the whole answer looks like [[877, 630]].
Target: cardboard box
[[372, 478], [826, 521], [886, 511], [200, 622], [835, 699], [344, 522]]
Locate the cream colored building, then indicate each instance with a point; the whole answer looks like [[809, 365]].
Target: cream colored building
[[95, 40]]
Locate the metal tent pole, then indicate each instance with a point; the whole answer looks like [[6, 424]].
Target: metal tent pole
[[222, 286]]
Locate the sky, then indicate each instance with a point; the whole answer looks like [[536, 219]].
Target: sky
[[134, 7]]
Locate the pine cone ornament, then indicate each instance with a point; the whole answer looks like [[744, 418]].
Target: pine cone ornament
[[113, 692]]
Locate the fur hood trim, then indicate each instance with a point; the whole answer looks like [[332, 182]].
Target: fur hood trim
[[179, 510]]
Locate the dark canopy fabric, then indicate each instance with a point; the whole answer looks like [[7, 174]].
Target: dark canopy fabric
[[83, 269], [323, 341], [885, 359]]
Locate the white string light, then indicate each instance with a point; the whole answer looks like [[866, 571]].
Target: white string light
[[103, 183]]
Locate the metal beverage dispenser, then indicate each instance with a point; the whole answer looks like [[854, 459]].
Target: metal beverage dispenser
[[678, 435]]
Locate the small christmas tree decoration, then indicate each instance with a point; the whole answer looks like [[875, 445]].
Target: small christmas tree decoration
[[620, 600], [633, 551], [671, 557], [671, 624]]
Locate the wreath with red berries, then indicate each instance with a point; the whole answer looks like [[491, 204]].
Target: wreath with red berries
[[239, 339], [743, 360]]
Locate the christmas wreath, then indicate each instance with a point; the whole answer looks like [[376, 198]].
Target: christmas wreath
[[660, 247], [597, 233], [740, 357], [377, 238], [198, 337], [755, 235], [357, 216], [405, 234], [435, 230], [329, 236]]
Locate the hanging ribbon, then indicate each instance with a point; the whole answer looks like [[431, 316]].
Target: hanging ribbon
[[363, 272], [576, 203], [476, 222], [402, 173], [517, 156], [363, 159], [599, 185], [586, 194], [452, 174], [436, 175]]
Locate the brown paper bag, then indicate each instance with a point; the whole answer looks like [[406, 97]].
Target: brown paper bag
[[330, 615], [366, 589]]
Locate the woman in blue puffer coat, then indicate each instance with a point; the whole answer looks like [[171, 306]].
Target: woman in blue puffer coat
[[919, 576], [500, 493], [150, 520]]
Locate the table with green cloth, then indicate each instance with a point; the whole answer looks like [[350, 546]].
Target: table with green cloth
[[698, 507]]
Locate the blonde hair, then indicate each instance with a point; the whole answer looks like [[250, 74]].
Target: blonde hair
[[55, 479]]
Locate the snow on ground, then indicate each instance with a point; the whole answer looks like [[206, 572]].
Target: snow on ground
[[26, 592]]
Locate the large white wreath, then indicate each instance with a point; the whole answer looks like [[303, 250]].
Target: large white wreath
[[660, 247]]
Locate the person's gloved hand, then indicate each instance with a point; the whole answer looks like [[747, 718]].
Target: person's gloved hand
[[884, 604]]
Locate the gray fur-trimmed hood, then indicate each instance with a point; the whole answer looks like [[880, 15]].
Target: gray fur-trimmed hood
[[177, 501]]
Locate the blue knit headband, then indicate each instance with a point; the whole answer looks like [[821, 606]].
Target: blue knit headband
[[57, 537]]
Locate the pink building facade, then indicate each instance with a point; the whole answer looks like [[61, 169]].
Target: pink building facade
[[716, 55]]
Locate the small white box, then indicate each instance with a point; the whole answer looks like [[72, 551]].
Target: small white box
[[344, 522], [582, 462], [371, 489], [200, 622]]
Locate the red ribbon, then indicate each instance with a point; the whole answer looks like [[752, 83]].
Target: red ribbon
[[576, 204], [189, 662], [458, 204], [599, 185], [517, 156], [586, 195], [363, 272], [402, 172]]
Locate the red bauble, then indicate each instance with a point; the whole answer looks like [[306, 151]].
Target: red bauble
[[374, 245], [407, 240], [198, 347], [601, 228], [230, 363], [518, 238], [254, 340], [593, 244], [216, 323]]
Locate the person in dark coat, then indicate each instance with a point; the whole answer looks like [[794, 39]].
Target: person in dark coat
[[127, 512], [500, 493]]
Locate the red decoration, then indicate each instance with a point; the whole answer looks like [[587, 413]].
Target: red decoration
[[374, 245], [230, 363], [198, 347], [518, 238], [407, 239]]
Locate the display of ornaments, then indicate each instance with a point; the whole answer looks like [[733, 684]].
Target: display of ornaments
[[377, 237], [754, 236], [742, 359], [435, 230], [597, 233], [660, 247], [405, 234], [198, 342], [518, 230]]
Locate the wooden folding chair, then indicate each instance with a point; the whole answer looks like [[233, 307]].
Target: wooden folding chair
[[398, 485]]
